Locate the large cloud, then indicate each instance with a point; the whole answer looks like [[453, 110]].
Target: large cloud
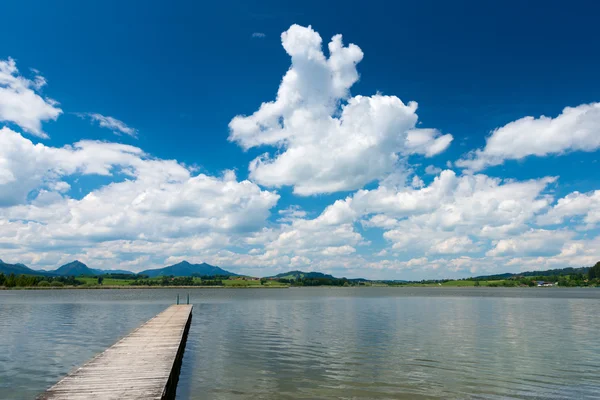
[[329, 141], [451, 217], [454, 214], [25, 166], [159, 203], [535, 242], [533, 254], [451, 201], [585, 205], [576, 128], [20, 102]]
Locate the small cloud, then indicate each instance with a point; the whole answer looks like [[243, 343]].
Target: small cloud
[[292, 213], [417, 182], [432, 170], [118, 127], [38, 83], [259, 35]]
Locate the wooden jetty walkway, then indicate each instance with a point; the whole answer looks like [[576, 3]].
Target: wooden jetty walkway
[[143, 365]]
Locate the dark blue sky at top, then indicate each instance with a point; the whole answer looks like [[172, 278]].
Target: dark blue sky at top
[[179, 71]]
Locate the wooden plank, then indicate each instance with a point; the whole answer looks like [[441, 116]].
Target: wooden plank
[[143, 365]]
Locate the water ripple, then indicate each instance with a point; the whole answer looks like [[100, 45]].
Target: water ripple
[[376, 343]]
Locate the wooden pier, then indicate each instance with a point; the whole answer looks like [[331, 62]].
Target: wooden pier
[[143, 365]]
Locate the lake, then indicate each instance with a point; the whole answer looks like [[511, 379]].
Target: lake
[[324, 343]]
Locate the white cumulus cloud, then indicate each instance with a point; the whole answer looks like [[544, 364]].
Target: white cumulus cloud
[[20, 101], [535, 242], [162, 208], [575, 129], [25, 166], [432, 170], [329, 141], [449, 216], [585, 205]]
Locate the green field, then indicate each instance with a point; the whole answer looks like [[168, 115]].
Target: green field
[[240, 283], [459, 283], [471, 283], [249, 283], [88, 280]]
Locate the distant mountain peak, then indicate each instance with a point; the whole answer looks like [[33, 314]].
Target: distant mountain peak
[[75, 268], [74, 263], [184, 262], [16, 269]]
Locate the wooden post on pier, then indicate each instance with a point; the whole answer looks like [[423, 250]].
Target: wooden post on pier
[[143, 365]]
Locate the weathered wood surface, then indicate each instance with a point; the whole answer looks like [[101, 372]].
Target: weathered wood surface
[[143, 365]]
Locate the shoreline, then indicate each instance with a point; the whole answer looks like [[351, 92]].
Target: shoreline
[[119, 287], [82, 287]]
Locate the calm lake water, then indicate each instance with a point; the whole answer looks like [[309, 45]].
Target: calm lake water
[[317, 343]]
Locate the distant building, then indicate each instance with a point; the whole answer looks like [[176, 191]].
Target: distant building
[[544, 284]]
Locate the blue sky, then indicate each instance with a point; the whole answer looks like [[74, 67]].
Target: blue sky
[[173, 76]]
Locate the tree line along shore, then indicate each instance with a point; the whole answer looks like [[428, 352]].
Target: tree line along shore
[[568, 277]]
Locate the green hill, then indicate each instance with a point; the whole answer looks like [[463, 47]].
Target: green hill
[[75, 268], [19, 269], [113, 271], [301, 275], [548, 272]]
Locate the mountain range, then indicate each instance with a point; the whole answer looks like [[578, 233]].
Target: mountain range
[[77, 268], [18, 269], [184, 268]]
